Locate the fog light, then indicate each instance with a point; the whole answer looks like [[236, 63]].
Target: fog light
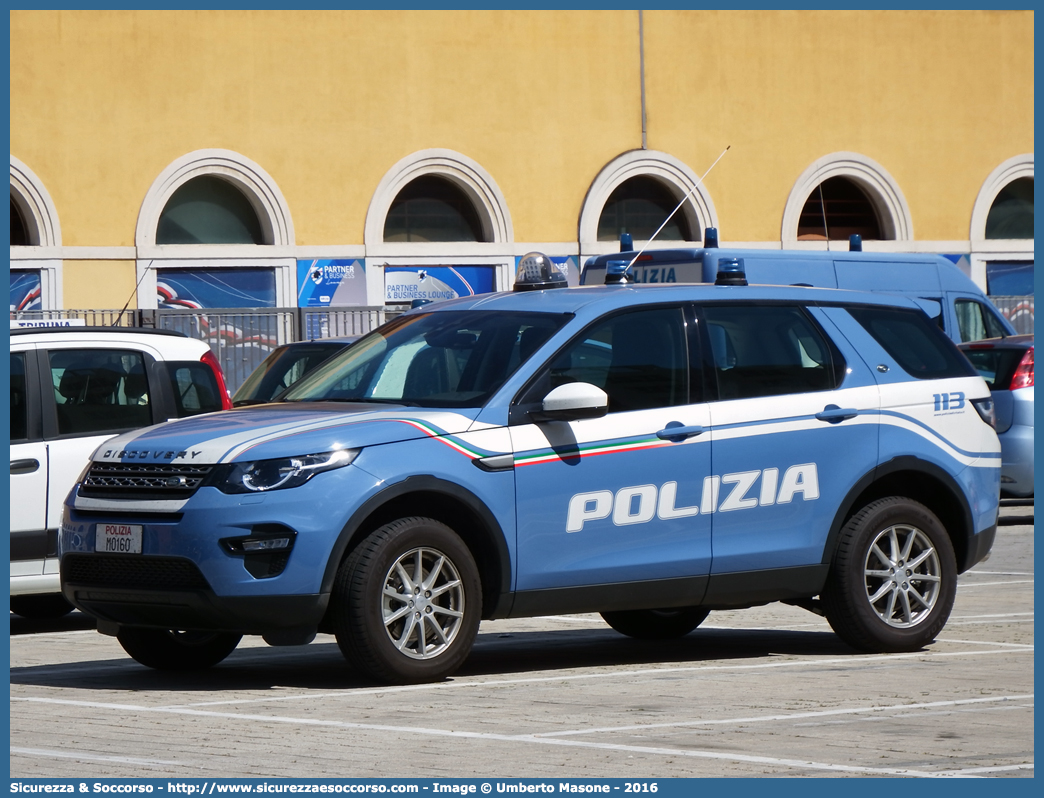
[[264, 544]]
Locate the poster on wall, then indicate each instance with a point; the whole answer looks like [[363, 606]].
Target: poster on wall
[[566, 264], [216, 288], [330, 283], [409, 283], [25, 291]]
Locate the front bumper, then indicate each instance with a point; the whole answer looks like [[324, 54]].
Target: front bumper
[[188, 576], [197, 609]]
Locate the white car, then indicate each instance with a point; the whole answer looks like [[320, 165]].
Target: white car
[[71, 389]]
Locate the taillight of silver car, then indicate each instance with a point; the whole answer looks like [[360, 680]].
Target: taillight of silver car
[[1023, 377]]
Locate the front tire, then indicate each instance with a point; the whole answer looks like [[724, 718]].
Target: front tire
[[407, 602], [656, 624], [893, 578], [172, 650]]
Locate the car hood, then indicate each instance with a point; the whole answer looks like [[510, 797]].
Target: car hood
[[280, 430]]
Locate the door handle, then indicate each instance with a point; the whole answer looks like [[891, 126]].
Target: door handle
[[675, 432], [832, 414], [27, 466]]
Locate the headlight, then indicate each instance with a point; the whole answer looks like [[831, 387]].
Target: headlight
[[286, 472]]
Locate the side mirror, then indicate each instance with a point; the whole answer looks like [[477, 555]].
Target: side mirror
[[573, 401]]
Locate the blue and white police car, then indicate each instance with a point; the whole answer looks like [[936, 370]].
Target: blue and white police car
[[648, 452]]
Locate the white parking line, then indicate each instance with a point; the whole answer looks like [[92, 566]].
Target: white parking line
[[788, 716], [415, 731], [83, 756], [994, 584], [976, 771], [988, 623], [981, 642]]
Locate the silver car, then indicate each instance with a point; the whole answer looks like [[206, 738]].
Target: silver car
[[1007, 366]]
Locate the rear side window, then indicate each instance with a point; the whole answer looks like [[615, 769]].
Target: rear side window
[[194, 387], [99, 391], [975, 321], [769, 350], [918, 346]]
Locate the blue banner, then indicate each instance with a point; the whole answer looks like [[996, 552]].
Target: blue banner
[[25, 291], [323, 283], [252, 287], [433, 283]]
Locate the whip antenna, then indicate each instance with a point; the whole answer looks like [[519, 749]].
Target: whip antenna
[[134, 293], [671, 214]]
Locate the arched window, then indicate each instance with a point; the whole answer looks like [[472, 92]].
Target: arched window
[[859, 197], [19, 231], [1011, 214], [639, 206], [36, 241], [843, 207], [432, 208], [208, 210]]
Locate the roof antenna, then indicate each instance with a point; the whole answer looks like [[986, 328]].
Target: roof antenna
[[133, 294], [671, 214], [822, 210]]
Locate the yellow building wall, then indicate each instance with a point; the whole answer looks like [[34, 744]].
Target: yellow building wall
[[327, 101], [89, 284], [937, 98]]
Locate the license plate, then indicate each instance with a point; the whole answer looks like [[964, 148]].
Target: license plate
[[118, 538]]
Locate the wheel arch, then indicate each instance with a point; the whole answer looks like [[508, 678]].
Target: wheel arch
[[921, 481], [457, 507]]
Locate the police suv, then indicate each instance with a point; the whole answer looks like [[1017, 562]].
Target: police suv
[[648, 452]]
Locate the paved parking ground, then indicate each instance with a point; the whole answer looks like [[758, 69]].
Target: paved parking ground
[[766, 691]]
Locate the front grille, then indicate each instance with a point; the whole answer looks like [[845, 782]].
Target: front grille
[[143, 480], [132, 572]]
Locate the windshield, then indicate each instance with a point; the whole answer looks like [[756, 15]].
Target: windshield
[[441, 359]]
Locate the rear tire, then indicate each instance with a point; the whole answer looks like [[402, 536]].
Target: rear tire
[[656, 624], [407, 602], [893, 578], [172, 650], [41, 608]]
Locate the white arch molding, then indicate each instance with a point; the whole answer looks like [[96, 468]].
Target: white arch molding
[[38, 211], [884, 194], [44, 233], [1008, 172], [476, 183], [255, 183], [699, 211]]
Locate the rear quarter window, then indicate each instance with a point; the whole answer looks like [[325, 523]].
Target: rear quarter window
[[920, 348]]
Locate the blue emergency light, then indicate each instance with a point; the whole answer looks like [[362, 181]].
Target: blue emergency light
[[731, 272], [616, 272]]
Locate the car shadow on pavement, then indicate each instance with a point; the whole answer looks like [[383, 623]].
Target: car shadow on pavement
[[73, 622], [320, 666]]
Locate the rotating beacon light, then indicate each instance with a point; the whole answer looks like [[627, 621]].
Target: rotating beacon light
[[536, 272], [731, 272]]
